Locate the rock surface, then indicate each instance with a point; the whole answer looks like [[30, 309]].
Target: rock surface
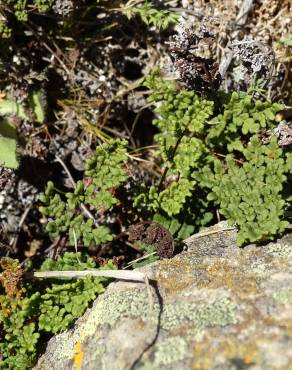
[[216, 306]]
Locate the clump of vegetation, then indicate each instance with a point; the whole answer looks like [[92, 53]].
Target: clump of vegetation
[[251, 193], [208, 161], [103, 172], [29, 311], [215, 154]]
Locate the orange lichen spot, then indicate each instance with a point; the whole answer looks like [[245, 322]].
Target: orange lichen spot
[[207, 355], [228, 274], [78, 356], [170, 275], [287, 325]]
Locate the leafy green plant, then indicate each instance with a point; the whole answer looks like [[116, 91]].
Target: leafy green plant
[[250, 195], [159, 18], [208, 161], [242, 116], [211, 160], [68, 216], [8, 149], [9, 154], [8, 136], [182, 115], [194, 147], [64, 302], [28, 310]]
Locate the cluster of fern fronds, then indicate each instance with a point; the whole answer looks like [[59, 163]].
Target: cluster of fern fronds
[[212, 161], [28, 310], [209, 162]]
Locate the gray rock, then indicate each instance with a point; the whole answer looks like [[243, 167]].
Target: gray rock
[[216, 306]]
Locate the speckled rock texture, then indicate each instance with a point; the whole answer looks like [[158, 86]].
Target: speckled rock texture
[[216, 306]]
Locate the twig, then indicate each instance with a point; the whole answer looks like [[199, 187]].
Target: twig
[[243, 12], [201, 235], [116, 274], [75, 245], [240, 21], [58, 159], [85, 210], [167, 168], [138, 116], [13, 241]]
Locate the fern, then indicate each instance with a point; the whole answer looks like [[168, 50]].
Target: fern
[[19, 334], [159, 18], [206, 161], [242, 116], [188, 143], [182, 115], [250, 194], [28, 311], [63, 302], [66, 216]]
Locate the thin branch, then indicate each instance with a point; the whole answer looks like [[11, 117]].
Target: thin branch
[[210, 232], [85, 210], [136, 276], [14, 240], [117, 274], [167, 168], [62, 163]]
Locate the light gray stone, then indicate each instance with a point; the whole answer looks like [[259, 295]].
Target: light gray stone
[[216, 306]]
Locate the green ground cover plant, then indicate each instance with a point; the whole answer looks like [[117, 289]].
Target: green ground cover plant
[[216, 155], [30, 311], [210, 161]]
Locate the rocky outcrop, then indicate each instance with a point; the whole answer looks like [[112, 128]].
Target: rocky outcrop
[[216, 306]]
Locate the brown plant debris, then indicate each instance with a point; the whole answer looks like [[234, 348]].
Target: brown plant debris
[[154, 234], [11, 277]]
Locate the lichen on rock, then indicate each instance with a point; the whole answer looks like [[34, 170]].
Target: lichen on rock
[[215, 306]]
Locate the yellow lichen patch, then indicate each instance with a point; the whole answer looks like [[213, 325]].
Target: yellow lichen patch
[[289, 327], [222, 273], [283, 324], [78, 356], [207, 355], [175, 275]]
